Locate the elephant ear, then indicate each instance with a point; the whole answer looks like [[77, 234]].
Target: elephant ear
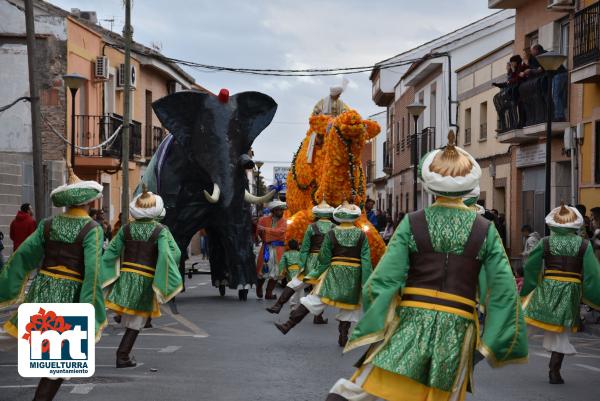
[[255, 111], [178, 112]]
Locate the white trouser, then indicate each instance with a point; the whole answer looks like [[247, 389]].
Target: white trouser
[[353, 391], [298, 286], [314, 304], [558, 342], [133, 322]]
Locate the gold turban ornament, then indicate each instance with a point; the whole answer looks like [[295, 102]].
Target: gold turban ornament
[[565, 215], [71, 177], [451, 162], [146, 200]]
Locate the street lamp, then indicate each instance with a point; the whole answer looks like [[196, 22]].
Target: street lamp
[[550, 62], [416, 109], [73, 82]]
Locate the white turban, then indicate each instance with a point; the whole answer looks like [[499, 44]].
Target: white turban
[[155, 212], [338, 89]]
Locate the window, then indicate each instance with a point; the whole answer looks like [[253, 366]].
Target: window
[[432, 106], [468, 126], [483, 121], [397, 137], [403, 138]]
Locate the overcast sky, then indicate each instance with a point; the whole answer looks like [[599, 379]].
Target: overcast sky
[[286, 34]]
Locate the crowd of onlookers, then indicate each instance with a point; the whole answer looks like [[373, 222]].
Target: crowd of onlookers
[[521, 68]]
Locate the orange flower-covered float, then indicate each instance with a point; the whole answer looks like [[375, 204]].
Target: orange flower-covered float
[[327, 165]]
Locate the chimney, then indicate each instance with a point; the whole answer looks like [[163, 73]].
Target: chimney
[[86, 15]]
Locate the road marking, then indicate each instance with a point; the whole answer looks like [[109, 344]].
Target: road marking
[[175, 331], [541, 354], [197, 331], [169, 349], [588, 367], [82, 388]]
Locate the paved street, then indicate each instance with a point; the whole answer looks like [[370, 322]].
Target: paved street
[[223, 349]]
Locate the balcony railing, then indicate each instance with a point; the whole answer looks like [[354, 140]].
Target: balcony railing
[[154, 136], [97, 129], [526, 104], [586, 47], [467, 136], [370, 171]]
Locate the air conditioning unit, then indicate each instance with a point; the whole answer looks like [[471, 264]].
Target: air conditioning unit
[[561, 5], [121, 76], [102, 68], [171, 87], [568, 138]]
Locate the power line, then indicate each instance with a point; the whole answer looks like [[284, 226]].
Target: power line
[[279, 72]]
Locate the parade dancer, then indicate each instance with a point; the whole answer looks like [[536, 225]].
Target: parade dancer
[[140, 269], [66, 252], [289, 267], [271, 230], [571, 274], [309, 257], [419, 303], [345, 263]]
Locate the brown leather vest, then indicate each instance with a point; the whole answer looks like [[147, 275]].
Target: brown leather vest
[[71, 256], [569, 266], [346, 254], [139, 252], [316, 240], [446, 272]]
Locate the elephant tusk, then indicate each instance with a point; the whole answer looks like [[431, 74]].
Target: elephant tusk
[[214, 198], [257, 200]]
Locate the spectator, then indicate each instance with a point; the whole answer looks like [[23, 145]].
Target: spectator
[[371, 216], [22, 226], [381, 221], [585, 230], [514, 72], [388, 232], [535, 67], [399, 217], [93, 213], [596, 231], [531, 239]]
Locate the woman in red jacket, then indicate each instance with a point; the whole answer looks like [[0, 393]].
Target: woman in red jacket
[[22, 226]]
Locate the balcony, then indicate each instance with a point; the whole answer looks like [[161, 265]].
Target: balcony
[[586, 48], [522, 109], [506, 3], [380, 98], [97, 129], [370, 171]]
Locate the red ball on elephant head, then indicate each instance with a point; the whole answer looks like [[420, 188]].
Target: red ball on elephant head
[[223, 95]]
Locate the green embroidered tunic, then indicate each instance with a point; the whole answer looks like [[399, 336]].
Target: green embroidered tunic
[[53, 288], [553, 303], [432, 346], [138, 293], [289, 265], [341, 283], [310, 261]]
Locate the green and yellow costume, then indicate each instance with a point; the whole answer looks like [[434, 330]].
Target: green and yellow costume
[[66, 252], [137, 289], [553, 296], [424, 346], [342, 277], [289, 265], [310, 248]]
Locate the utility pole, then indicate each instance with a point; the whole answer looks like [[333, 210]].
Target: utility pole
[[127, 34], [36, 134]]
